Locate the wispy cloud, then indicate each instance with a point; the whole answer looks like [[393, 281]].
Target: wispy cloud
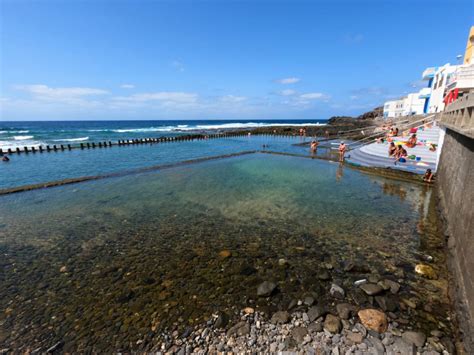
[[290, 80], [314, 96], [232, 98], [127, 86], [41, 91], [178, 65], [171, 96], [287, 92]]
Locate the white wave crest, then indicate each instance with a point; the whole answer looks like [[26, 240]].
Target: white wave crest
[[22, 138], [81, 139], [20, 144]]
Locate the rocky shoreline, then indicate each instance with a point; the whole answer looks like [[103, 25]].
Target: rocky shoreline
[[307, 328]]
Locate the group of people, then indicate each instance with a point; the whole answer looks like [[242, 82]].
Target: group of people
[[397, 152]]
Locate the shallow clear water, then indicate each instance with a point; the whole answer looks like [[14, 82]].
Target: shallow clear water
[[104, 264], [34, 168]]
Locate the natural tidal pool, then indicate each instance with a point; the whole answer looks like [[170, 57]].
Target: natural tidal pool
[[114, 264]]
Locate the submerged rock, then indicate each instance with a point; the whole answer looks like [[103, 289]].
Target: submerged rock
[[224, 254], [374, 320], [426, 271], [337, 291], [371, 289], [266, 288]]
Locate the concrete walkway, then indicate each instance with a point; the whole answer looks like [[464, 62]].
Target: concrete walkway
[[376, 154]]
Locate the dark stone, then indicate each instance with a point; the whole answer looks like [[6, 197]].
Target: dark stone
[[247, 270], [266, 288], [222, 320], [324, 275], [344, 310], [371, 289], [315, 312]]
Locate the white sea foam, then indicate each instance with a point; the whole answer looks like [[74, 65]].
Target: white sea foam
[[22, 138], [81, 139], [235, 125], [6, 144]]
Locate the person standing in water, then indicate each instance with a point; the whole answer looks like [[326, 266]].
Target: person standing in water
[[342, 151]]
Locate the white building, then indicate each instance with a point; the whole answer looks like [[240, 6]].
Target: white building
[[437, 81], [409, 105]]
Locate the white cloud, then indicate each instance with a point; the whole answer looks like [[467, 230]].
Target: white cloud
[[314, 96], [287, 92], [178, 65], [291, 80], [232, 98], [164, 96], [127, 86], [45, 92]]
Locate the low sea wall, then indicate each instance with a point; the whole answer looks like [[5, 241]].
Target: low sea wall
[[456, 191]]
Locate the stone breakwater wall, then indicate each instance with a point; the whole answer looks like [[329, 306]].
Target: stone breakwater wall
[[456, 191]]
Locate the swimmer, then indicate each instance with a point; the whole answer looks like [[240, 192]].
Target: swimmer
[[342, 151], [5, 158]]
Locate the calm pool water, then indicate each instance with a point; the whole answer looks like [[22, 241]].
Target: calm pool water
[[27, 169], [109, 265]]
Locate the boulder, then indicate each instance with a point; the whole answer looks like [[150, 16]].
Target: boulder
[[373, 319]]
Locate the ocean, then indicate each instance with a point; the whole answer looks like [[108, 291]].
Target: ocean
[[36, 133]]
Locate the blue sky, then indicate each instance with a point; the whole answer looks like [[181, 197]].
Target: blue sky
[[219, 59]]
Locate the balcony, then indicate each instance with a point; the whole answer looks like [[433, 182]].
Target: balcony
[[424, 93], [462, 78], [429, 73]]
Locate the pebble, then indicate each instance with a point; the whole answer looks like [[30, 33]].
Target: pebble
[[416, 338], [332, 324], [266, 288], [337, 291], [371, 289]]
